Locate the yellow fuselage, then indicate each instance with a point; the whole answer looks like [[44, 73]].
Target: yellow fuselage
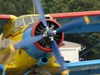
[[18, 62]]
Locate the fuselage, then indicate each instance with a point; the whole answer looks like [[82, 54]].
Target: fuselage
[[18, 62], [19, 28]]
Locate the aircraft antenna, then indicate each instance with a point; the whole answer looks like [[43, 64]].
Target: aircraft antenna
[[34, 8]]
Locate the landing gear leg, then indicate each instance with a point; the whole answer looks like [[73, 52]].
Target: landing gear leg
[[32, 72], [28, 72]]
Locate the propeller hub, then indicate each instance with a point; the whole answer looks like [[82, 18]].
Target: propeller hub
[[50, 33]]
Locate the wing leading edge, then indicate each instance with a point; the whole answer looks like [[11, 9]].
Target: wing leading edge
[[75, 14], [93, 26], [84, 68]]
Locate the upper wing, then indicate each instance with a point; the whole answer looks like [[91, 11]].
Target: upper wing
[[85, 67], [4, 20], [75, 14], [93, 16]]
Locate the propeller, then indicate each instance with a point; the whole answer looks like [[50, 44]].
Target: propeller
[[53, 43], [64, 69], [50, 33], [41, 12], [74, 24], [26, 42]]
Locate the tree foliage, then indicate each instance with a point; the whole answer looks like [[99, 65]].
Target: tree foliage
[[90, 39], [81, 5], [15, 7], [21, 7], [55, 6]]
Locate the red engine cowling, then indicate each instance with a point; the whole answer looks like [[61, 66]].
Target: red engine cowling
[[44, 44]]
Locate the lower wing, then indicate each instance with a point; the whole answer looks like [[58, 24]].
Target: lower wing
[[91, 67]]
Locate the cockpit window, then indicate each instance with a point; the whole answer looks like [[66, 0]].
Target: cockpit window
[[16, 25], [19, 22], [35, 18], [28, 20], [13, 24]]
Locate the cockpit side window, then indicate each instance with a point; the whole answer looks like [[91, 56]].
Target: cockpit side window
[[27, 20], [16, 26], [13, 25], [19, 22]]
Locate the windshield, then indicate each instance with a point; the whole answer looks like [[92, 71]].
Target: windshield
[[27, 20]]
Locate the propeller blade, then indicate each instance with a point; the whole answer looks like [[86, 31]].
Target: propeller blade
[[27, 41], [41, 12], [74, 24], [55, 49]]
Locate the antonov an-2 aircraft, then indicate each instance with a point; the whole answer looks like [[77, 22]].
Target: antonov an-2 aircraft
[[30, 43]]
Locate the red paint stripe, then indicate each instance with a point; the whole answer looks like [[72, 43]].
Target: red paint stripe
[[13, 35], [40, 47], [75, 14], [4, 17]]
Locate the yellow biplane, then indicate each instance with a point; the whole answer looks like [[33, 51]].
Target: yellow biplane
[[30, 43]]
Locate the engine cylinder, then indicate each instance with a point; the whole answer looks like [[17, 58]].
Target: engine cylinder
[[44, 44]]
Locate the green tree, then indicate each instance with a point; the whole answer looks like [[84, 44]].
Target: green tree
[[85, 5], [7, 7], [21, 7], [14, 7], [80, 5], [55, 6]]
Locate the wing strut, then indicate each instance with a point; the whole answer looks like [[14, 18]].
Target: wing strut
[[2, 68]]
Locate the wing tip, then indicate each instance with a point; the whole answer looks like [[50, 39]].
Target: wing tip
[[65, 72]]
